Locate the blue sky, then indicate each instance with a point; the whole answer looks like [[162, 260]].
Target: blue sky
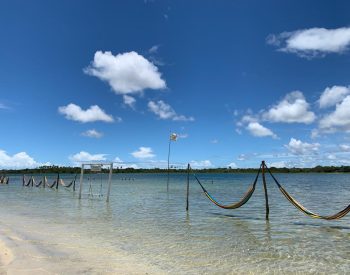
[[238, 81]]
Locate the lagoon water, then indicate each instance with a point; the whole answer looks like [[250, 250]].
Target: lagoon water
[[144, 229]]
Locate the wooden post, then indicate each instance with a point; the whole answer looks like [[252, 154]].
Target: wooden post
[[44, 182], [265, 189], [32, 181], [188, 185], [58, 179], [81, 180], [109, 181]]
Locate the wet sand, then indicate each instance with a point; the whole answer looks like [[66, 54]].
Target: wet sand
[[29, 255]]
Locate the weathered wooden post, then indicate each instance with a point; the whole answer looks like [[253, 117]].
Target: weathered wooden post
[[265, 189]]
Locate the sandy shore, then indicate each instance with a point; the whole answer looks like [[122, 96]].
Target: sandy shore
[[29, 255]]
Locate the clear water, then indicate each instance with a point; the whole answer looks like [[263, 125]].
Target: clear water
[[145, 222]]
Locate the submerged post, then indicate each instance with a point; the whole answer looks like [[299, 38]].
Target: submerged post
[[188, 185], [58, 179], [81, 180], [265, 189], [109, 181]]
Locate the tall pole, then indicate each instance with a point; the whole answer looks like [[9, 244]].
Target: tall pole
[[167, 182], [188, 185], [265, 189]]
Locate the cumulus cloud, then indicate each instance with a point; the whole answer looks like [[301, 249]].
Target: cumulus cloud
[[292, 109], [258, 130], [17, 161], [339, 120], [129, 101], [92, 134], [126, 73], [165, 111], [201, 164], [85, 156], [333, 95], [297, 147], [93, 113], [312, 42], [143, 153]]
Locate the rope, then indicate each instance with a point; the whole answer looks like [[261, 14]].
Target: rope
[[243, 201], [307, 212]]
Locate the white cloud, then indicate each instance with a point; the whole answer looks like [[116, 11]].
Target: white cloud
[[92, 133], [126, 73], [93, 113], [257, 130], [154, 49], [339, 120], [332, 157], [165, 111], [232, 165], [201, 164], [297, 147], [143, 153], [279, 164], [242, 157], [130, 101], [292, 109], [17, 161], [332, 96], [344, 147], [312, 42], [214, 141], [85, 156]]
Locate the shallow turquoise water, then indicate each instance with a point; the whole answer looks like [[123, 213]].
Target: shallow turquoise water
[[145, 221]]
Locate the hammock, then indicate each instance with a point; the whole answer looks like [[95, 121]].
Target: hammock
[[52, 185], [24, 181], [307, 212], [36, 184], [243, 201], [68, 185]]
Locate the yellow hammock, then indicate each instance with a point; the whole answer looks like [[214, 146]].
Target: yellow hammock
[[243, 201], [336, 216]]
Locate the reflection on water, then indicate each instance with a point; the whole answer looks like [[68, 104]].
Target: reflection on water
[[145, 221]]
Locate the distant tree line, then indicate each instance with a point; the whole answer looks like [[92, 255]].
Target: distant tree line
[[76, 170]]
